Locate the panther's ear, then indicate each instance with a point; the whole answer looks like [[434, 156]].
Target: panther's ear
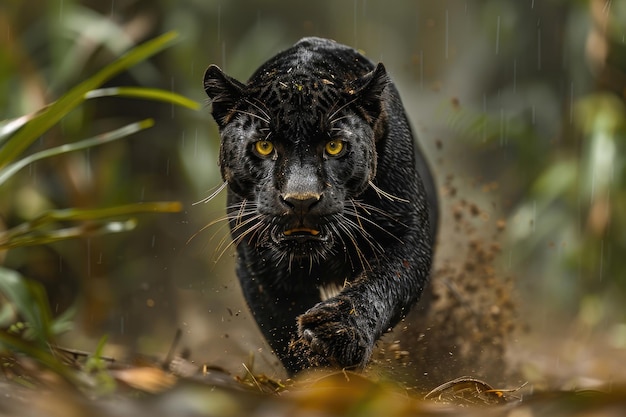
[[368, 91], [224, 92]]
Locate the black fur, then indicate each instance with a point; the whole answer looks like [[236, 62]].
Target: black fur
[[305, 219]]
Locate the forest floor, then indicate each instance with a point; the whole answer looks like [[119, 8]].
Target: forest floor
[[182, 388]]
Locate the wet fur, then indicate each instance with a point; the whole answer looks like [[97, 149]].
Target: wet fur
[[374, 206]]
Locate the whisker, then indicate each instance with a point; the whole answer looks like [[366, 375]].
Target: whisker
[[336, 131], [370, 209], [259, 232], [385, 194], [333, 121], [291, 256], [251, 232], [236, 206], [311, 257], [242, 220], [330, 118], [214, 194], [208, 225], [343, 242], [281, 258], [368, 238], [358, 224], [241, 237], [244, 214], [360, 218], [356, 214], [226, 218], [242, 209], [259, 108], [242, 224], [365, 265]]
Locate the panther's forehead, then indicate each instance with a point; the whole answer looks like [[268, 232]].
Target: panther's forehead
[[295, 92], [304, 91], [300, 103]]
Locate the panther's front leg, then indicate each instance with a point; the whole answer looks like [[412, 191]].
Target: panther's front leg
[[342, 331]]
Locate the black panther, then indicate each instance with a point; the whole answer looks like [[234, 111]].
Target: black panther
[[330, 202]]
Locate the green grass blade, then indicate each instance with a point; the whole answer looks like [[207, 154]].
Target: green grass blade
[[74, 214], [107, 137], [98, 221], [57, 110], [145, 93], [45, 237]]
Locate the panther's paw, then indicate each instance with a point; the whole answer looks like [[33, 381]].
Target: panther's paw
[[331, 336]]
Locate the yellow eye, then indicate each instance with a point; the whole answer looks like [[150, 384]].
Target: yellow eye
[[334, 147], [264, 147]]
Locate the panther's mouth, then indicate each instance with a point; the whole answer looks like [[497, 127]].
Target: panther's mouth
[[302, 242], [301, 231]]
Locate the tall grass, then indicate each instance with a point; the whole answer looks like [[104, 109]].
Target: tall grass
[[27, 324]]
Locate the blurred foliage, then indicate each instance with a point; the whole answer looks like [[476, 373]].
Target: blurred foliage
[[537, 113], [549, 128], [30, 301], [26, 315], [68, 69], [568, 227]]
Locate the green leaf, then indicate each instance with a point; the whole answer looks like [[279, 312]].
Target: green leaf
[[96, 365], [96, 221], [29, 297], [100, 213], [145, 93], [45, 237], [94, 361], [69, 101], [11, 169]]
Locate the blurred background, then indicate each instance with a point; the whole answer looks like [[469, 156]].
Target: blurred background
[[518, 105]]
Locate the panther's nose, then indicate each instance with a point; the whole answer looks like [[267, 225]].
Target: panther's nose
[[301, 204]]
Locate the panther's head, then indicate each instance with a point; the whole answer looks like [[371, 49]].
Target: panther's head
[[298, 147]]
